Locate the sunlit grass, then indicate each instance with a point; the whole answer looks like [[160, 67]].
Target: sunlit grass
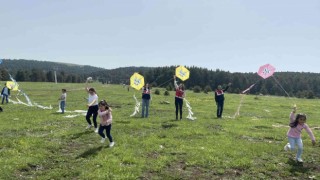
[[44, 144]]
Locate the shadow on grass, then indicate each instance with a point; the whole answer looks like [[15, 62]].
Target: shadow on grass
[[297, 167], [168, 125], [58, 113], [90, 152], [138, 116], [215, 127], [174, 120], [124, 122], [262, 127], [78, 135]]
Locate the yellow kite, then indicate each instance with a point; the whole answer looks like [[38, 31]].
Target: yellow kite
[[12, 85], [182, 73], [137, 81]]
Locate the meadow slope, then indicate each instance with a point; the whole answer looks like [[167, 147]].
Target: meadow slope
[[43, 144]]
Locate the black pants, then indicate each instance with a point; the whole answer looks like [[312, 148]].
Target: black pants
[[219, 108], [108, 132], [178, 102], [92, 111]]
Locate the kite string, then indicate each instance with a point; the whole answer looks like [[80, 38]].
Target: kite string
[[281, 86], [283, 89], [165, 82], [243, 93], [237, 113]]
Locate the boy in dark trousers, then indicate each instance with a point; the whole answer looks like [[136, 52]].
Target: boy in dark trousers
[[219, 98]]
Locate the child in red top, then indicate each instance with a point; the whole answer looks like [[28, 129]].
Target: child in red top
[[180, 94]]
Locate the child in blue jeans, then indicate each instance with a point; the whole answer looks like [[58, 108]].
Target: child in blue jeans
[[105, 115], [63, 99], [297, 124]]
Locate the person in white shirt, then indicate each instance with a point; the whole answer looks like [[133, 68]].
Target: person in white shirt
[[92, 108]]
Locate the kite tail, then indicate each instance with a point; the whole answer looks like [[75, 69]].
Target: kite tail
[[248, 89], [189, 111], [237, 113], [137, 106]]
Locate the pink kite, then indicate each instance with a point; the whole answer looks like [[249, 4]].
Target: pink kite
[[266, 71]]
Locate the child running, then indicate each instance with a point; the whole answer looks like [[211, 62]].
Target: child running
[[92, 108], [297, 124], [105, 115]]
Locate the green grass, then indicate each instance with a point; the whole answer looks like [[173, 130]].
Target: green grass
[[43, 144]]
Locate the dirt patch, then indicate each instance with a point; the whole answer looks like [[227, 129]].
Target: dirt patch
[[153, 155], [31, 167], [181, 170], [215, 127], [264, 139]]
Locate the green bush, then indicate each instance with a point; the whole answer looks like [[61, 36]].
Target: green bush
[[166, 93], [196, 89], [157, 92], [207, 89], [169, 88]]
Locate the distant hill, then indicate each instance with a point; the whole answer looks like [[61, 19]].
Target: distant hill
[[290, 84], [33, 70], [18, 64]]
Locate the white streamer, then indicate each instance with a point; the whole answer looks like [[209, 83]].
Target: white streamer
[[190, 113], [136, 108], [29, 103]]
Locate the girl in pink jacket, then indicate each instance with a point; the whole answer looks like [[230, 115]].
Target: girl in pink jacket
[[105, 115], [297, 124]]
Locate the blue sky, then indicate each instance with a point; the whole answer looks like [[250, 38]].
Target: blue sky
[[231, 35]]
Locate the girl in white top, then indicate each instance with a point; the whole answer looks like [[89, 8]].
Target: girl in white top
[[92, 108]]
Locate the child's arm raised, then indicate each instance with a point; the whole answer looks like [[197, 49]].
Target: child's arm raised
[[292, 114], [86, 87]]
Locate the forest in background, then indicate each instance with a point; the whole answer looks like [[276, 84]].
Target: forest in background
[[292, 84]]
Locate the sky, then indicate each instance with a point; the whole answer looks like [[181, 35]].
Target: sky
[[230, 35]]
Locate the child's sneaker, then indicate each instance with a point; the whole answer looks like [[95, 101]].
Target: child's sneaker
[[287, 147], [96, 131], [111, 144], [89, 126], [103, 140], [299, 160]]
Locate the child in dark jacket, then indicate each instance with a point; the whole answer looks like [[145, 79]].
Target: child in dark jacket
[[5, 93], [219, 98]]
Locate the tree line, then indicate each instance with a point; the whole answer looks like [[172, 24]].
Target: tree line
[[292, 84]]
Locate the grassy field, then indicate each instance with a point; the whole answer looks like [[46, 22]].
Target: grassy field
[[43, 144]]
